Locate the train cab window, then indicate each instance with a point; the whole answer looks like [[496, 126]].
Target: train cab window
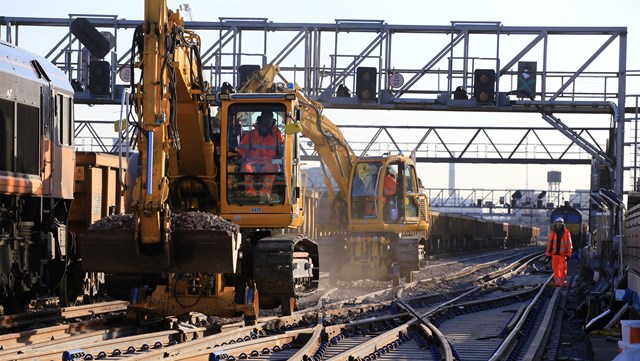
[[65, 120], [256, 154], [364, 190]]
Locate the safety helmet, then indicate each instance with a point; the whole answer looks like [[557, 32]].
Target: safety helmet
[[559, 219]]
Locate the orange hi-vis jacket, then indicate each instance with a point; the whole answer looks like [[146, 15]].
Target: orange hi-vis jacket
[[566, 247], [255, 147], [389, 186]]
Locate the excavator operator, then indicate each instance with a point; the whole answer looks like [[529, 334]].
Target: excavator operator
[[257, 150], [389, 193]]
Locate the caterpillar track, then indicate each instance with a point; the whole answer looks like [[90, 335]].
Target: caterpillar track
[[285, 267]]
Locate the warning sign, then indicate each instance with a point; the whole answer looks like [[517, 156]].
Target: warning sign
[[97, 201], [80, 173]]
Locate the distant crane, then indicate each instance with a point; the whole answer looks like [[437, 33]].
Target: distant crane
[[186, 8]]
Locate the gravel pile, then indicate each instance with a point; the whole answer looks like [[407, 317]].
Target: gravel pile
[[179, 221], [118, 221], [202, 221], [349, 290]]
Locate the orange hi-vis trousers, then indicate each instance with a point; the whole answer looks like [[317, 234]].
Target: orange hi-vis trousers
[[559, 265], [267, 180]]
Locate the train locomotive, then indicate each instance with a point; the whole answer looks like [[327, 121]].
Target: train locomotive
[[37, 159]]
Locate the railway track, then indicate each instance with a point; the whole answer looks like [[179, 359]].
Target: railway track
[[406, 322]]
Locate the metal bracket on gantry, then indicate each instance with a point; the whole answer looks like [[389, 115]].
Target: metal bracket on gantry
[[595, 151]]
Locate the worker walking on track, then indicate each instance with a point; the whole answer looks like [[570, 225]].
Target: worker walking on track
[[559, 248]]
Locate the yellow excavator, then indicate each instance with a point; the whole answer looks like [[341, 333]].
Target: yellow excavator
[[212, 196], [378, 221], [218, 250]]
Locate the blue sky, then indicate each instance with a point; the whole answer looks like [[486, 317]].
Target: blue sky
[[510, 13]]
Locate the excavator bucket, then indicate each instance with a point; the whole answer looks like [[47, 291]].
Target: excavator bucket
[[116, 251]]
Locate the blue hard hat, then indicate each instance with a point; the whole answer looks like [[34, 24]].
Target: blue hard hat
[[559, 219]]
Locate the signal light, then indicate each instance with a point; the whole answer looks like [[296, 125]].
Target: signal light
[[484, 86], [99, 77], [366, 79], [90, 37], [527, 79]]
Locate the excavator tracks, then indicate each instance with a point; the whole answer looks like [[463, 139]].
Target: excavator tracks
[[285, 266]]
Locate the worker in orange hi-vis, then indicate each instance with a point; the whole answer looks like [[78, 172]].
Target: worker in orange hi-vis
[[258, 148], [559, 248], [389, 192]]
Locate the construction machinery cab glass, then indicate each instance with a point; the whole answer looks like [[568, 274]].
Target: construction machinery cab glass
[[256, 153]]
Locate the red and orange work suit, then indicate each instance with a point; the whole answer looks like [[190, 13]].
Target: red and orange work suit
[[559, 250], [257, 152], [389, 189]]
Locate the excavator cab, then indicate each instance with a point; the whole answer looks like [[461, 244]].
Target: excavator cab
[[256, 154], [259, 160], [384, 190]]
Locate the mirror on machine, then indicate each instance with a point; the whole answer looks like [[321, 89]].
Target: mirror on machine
[[256, 147]]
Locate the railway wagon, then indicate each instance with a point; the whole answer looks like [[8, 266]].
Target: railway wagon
[[98, 189], [452, 233], [521, 235], [37, 157]]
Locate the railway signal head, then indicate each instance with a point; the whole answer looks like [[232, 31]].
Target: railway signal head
[[484, 86]]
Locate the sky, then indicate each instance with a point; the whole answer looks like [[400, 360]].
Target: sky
[[532, 13]]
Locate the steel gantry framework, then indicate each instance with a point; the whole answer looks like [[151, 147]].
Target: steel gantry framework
[[579, 72]]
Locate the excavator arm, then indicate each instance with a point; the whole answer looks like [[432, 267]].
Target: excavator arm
[[328, 140], [171, 104], [177, 157], [151, 189]]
